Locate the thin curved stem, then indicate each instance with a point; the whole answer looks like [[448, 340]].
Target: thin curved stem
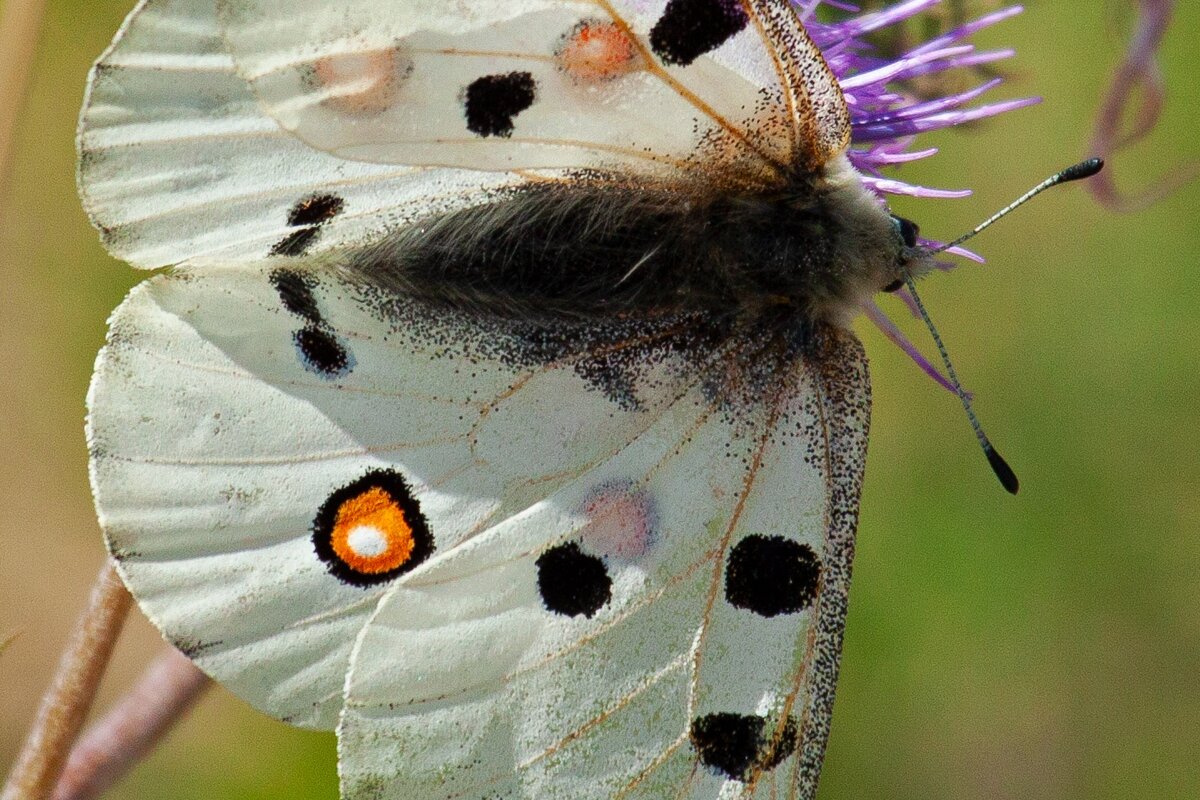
[[65, 704], [110, 748], [1130, 111]]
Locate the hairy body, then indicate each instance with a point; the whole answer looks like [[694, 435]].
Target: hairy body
[[804, 252]]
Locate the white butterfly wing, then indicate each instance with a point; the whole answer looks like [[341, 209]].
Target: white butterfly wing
[[201, 131], [520, 84], [231, 404], [179, 163], [609, 599], [699, 661]]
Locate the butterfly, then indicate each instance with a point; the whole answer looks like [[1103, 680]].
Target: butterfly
[[499, 409]]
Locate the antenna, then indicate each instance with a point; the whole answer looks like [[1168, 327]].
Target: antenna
[[1004, 472], [1084, 169], [1008, 478]]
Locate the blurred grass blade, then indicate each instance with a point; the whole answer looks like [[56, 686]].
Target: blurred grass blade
[[20, 23]]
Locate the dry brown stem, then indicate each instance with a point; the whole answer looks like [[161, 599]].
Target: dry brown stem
[[65, 704], [111, 747]]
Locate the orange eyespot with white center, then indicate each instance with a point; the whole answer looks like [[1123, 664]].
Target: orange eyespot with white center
[[371, 530], [371, 534], [597, 50], [359, 84]]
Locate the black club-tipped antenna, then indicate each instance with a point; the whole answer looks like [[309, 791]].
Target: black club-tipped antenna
[[1008, 478], [1084, 169]]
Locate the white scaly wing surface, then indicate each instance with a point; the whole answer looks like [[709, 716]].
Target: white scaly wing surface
[[463, 686], [178, 162], [524, 83], [215, 440], [200, 130], [573, 630]]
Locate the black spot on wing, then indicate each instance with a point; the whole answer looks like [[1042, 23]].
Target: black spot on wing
[[296, 242], [322, 352], [688, 29], [296, 292], [571, 582], [307, 216], [491, 102], [315, 210], [771, 575], [738, 744]]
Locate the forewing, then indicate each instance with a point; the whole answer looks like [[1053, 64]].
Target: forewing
[[814, 101], [247, 423], [648, 87], [679, 639], [179, 163], [202, 132]]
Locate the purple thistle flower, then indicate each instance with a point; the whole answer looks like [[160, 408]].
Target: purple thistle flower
[[1131, 108], [885, 121]]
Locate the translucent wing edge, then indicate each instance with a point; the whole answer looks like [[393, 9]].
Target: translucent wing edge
[[85, 108], [843, 384], [820, 117]]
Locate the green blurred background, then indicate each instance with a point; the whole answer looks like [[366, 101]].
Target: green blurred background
[[1043, 646]]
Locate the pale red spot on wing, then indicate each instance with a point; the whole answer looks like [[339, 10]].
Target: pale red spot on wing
[[623, 523], [360, 83], [596, 50]]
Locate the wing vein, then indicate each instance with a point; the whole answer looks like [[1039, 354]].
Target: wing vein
[[687, 94]]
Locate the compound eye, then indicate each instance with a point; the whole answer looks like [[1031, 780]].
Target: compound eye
[[908, 231], [894, 286]]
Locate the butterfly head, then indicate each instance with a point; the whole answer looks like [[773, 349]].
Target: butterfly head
[[843, 245], [913, 258]]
